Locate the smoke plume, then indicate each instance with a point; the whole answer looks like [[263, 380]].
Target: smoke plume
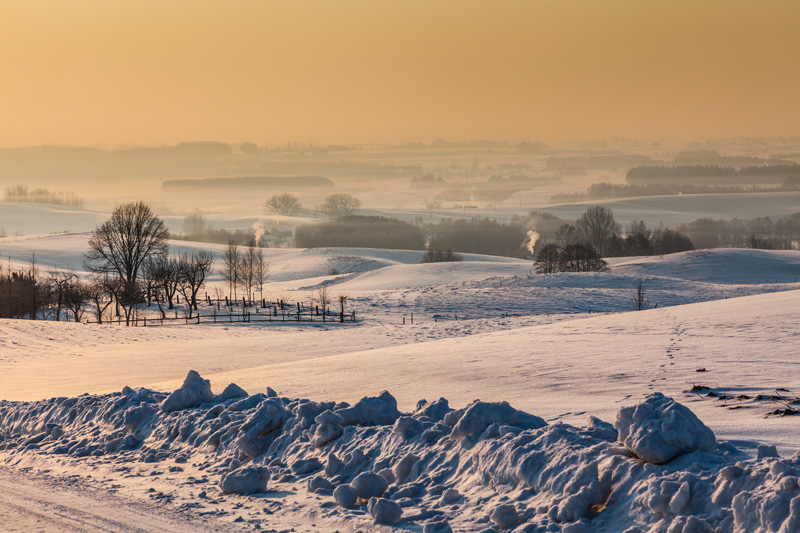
[[533, 236]]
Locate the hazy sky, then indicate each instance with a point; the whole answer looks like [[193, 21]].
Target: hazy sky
[[121, 72]]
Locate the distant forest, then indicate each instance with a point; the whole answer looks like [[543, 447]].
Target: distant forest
[[266, 182], [604, 190], [360, 232], [711, 174], [480, 236]]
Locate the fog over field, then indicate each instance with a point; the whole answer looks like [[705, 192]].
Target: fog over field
[[400, 266]]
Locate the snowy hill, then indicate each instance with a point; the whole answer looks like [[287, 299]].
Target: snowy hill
[[559, 348]]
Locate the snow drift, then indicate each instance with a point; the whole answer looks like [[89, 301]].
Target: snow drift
[[485, 467]]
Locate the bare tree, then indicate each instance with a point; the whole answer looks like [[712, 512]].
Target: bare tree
[[195, 225], [580, 258], [165, 273], [247, 272], [640, 297], [597, 227], [252, 271], [98, 293], [283, 204], [324, 298], [60, 282], [127, 295], [340, 205], [33, 272], [75, 297], [261, 273], [548, 258], [124, 242], [231, 268], [194, 271]]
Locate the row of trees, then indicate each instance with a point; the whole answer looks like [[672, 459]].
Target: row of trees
[[131, 265], [334, 206], [244, 270], [39, 195], [598, 229], [602, 190], [570, 258], [129, 257], [712, 174], [762, 232]]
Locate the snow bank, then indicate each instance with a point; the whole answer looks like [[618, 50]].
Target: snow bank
[[486, 466]]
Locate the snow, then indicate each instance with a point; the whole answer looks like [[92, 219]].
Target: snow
[[520, 392], [550, 476]]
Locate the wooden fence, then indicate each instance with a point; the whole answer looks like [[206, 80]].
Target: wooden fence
[[230, 318]]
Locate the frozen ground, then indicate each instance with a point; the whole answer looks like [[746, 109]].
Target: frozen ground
[[723, 341]]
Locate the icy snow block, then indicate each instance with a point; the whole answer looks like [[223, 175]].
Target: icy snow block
[[245, 480], [261, 427], [329, 417], [369, 485], [231, 391], [384, 511], [371, 411], [408, 427], [247, 403], [345, 495], [194, 391], [601, 429], [135, 416], [437, 527], [333, 465], [481, 415], [435, 410], [660, 429], [505, 516], [326, 433], [303, 467], [764, 450]]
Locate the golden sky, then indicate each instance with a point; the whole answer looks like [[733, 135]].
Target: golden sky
[[126, 72]]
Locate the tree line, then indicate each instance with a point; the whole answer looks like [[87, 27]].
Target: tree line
[[129, 260], [760, 233], [39, 195], [712, 173], [603, 190]]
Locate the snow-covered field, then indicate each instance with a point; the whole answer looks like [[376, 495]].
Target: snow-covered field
[[568, 349]]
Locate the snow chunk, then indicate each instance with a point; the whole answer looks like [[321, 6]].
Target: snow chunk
[[505, 516], [481, 415], [660, 429], [326, 433], [194, 391], [437, 527], [345, 495], [767, 451], [384, 511], [261, 427], [369, 485], [371, 411], [435, 411], [245, 480], [231, 391]]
